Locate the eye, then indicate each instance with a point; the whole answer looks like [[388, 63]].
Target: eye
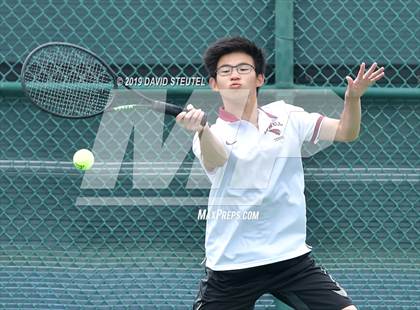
[[245, 68], [224, 70]]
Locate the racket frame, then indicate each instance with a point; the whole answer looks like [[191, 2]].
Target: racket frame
[[154, 104], [29, 57]]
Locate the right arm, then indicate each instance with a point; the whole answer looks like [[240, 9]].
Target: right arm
[[213, 154]]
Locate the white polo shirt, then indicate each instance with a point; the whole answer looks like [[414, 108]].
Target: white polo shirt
[[256, 211]]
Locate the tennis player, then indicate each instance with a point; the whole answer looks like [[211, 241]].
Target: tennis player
[[252, 158]]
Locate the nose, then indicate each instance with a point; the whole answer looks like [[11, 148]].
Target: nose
[[234, 75]]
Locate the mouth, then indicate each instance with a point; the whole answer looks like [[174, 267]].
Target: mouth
[[235, 85]]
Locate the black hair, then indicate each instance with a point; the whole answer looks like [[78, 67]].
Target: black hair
[[229, 45]]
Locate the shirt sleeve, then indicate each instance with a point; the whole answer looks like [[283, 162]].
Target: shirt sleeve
[[308, 125]]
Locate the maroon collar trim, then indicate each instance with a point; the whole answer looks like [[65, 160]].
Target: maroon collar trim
[[226, 116], [268, 114]]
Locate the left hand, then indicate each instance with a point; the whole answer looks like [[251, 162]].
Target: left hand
[[356, 88]]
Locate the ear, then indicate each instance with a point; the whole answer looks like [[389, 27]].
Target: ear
[[213, 84], [260, 80]]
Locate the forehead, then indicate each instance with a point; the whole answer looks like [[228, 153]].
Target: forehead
[[235, 58]]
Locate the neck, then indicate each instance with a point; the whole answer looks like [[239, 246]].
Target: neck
[[250, 113], [247, 112]]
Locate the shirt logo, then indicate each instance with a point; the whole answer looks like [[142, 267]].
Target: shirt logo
[[231, 143], [275, 128], [275, 131]]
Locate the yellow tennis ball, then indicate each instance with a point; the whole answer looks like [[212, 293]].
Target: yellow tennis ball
[[83, 159]]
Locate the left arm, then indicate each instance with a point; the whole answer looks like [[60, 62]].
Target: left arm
[[347, 128]]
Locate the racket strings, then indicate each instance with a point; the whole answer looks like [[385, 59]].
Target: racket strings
[[68, 81]]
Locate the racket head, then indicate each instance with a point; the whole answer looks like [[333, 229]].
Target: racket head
[[67, 80]]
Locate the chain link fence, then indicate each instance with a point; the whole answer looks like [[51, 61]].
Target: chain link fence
[[333, 37], [139, 39], [57, 249]]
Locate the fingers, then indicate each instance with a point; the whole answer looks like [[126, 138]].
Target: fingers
[[361, 71], [378, 74], [370, 76], [180, 117], [378, 77], [191, 118], [370, 71]]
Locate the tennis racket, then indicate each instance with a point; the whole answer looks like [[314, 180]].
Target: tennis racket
[[70, 81]]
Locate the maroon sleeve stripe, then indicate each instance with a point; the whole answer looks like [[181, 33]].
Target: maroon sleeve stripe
[[316, 130]]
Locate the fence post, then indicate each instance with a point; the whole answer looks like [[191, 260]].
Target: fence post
[[283, 61], [284, 43]]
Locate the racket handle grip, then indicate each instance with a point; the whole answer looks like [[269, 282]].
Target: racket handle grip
[[173, 110]]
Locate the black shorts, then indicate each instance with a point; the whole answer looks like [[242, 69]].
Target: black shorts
[[298, 282]]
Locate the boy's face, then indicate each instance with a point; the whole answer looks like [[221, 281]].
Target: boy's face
[[235, 80]]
